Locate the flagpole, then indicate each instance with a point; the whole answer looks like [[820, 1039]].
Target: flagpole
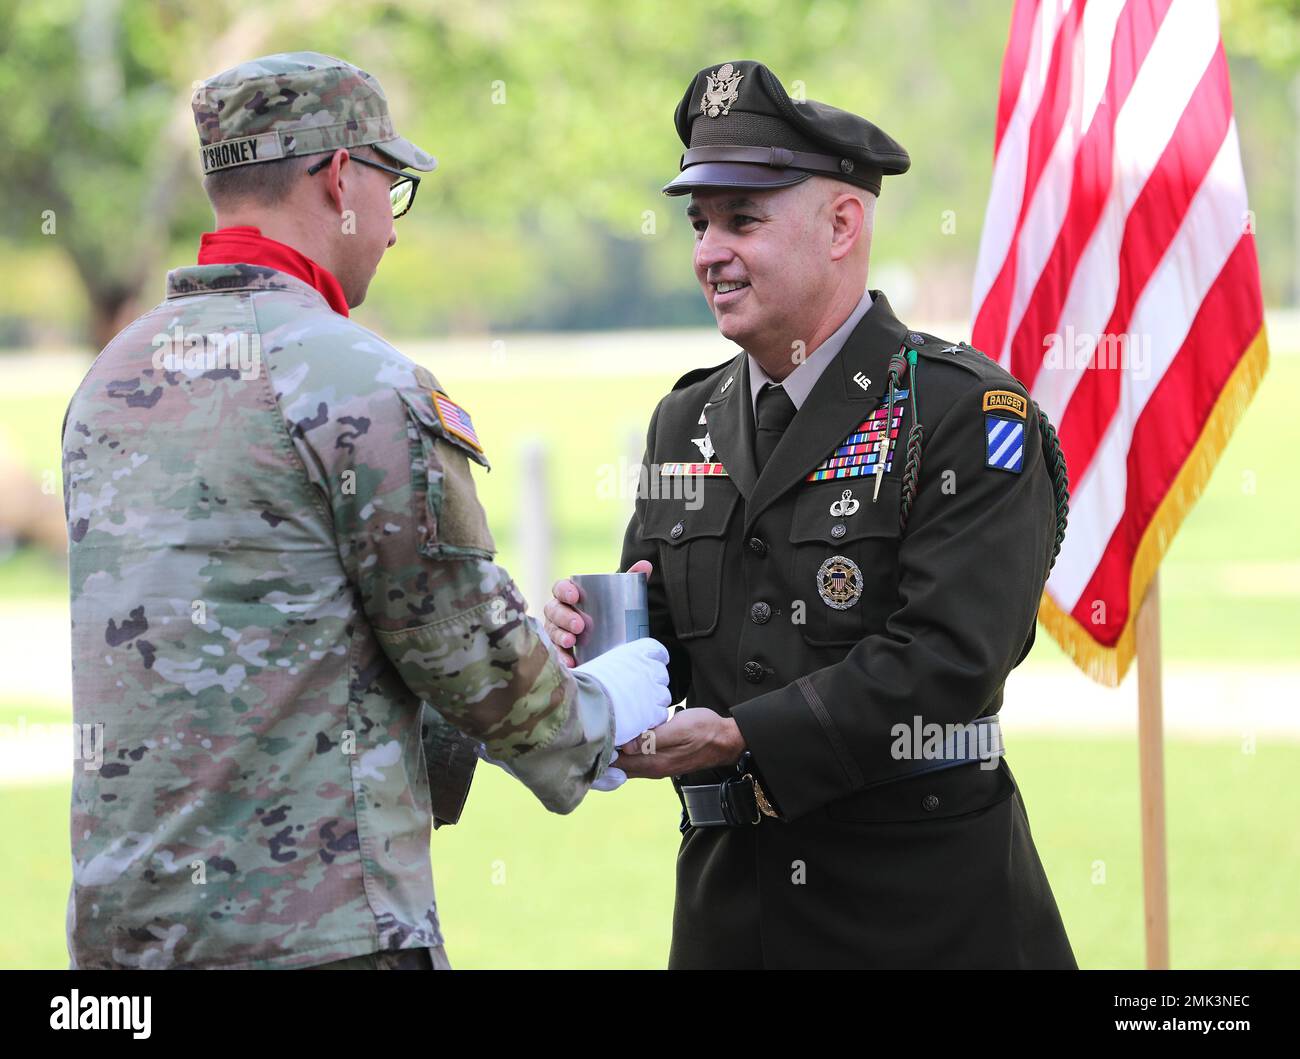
[[1151, 770]]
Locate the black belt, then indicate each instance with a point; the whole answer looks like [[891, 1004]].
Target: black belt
[[731, 803], [734, 802]]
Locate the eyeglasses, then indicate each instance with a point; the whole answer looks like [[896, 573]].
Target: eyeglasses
[[402, 192]]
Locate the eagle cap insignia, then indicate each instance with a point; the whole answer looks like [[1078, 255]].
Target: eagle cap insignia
[[723, 90]]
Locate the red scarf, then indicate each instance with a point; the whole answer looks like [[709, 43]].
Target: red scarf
[[246, 245]]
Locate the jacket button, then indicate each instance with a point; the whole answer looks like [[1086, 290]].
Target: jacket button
[[838, 530], [677, 530], [753, 672], [757, 546], [930, 803], [760, 612]]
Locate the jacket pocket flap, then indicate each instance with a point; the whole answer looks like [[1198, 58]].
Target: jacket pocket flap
[[421, 406], [705, 515], [814, 519], [937, 795]]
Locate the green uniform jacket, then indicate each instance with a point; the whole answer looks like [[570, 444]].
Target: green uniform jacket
[[864, 869], [285, 614]]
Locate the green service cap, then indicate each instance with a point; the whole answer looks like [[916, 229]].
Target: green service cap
[[741, 129]]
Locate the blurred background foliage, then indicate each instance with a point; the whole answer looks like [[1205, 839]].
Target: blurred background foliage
[[553, 127]]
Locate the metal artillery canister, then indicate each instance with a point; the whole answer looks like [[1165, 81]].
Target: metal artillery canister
[[614, 611]]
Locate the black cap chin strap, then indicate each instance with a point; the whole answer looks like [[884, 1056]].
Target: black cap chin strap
[[775, 158]]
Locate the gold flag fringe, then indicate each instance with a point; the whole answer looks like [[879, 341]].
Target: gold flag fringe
[[1107, 665]]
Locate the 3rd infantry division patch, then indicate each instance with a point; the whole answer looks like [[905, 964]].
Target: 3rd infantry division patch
[[1005, 440], [1004, 437]]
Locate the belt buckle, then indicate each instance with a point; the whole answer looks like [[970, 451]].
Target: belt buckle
[[728, 808], [753, 790]]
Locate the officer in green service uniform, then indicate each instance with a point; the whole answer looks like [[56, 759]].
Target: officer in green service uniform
[[880, 511], [286, 614]]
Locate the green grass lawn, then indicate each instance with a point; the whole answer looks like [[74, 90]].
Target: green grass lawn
[[520, 888], [595, 889], [1230, 585]]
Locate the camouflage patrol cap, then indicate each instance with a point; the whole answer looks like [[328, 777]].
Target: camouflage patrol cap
[[295, 104], [742, 130]]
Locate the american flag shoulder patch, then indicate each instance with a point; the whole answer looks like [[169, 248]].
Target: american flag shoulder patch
[[455, 420], [1004, 441]]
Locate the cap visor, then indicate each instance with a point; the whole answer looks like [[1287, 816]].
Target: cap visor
[[405, 152], [732, 175]]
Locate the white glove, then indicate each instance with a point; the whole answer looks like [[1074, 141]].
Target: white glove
[[635, 677], [610, 780]]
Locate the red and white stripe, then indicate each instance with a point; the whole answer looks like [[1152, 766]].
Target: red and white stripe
[[1118, 208]]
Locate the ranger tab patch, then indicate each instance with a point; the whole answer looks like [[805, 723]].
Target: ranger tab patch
[[1005, 402], [455, 420], [1005, 444]]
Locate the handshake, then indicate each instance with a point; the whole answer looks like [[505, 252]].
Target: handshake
[[635, 677]]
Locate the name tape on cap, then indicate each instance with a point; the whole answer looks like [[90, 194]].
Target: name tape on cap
[[244, 151]]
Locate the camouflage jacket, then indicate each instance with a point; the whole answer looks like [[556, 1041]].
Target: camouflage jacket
[[283, 598]]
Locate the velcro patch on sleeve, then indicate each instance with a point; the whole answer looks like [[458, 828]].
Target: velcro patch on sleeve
[[1006, 401], [460, 522]]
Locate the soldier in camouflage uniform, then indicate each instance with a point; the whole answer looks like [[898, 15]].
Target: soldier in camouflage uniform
[[285, 610]]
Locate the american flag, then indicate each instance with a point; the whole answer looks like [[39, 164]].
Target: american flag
[[1117, 279], [455, 420]]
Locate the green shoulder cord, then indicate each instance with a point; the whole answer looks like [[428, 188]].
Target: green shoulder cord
[[912, 471], [897, 365], [915, 436], [1060, 476]]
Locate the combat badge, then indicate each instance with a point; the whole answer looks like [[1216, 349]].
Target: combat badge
[[723, 90], [839, 582]]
